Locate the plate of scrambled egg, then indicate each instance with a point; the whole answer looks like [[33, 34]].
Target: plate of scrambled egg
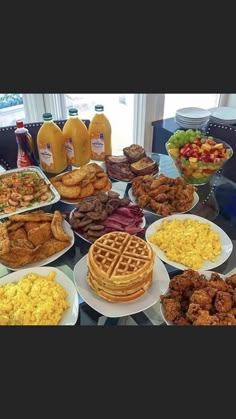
[[38, 297], [187, 241]]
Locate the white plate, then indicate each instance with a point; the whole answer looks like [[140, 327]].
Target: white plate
[[68, 230], [208, 276], [70, 316], [224, 113], [133, 199], [226, 243], [193, 113], [159, 285], [142, 225]]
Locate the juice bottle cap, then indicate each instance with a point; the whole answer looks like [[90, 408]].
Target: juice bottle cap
[[99, 108], [73, 111], [19, 124], [47, 116]]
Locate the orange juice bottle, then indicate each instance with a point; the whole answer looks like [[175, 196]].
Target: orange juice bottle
[[100, 134], [51, 146], [76, 140]]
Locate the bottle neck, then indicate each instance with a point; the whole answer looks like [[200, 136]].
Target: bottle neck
[[48, 122], [73, 116]]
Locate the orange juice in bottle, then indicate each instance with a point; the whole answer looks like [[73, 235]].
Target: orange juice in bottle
[[51, 146], [76, 140], [100, 135]]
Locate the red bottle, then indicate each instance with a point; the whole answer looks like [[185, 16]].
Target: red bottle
[[25, 156]]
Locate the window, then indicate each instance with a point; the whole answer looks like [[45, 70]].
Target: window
[[11, 108], [118, 108], [172, 102]]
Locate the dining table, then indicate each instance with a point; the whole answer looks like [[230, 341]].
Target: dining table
[[217, 203]]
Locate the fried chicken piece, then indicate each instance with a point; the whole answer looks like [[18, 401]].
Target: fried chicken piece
[[182, 321], [48, 248], [24, 243], [223, 302], [57, 229], [231, 280], [233, 311], [32, 217], [172, 308], [202, 298], [184, 305], [225, 319], [234, 297], [30, 225], [160, 190], [14, 226], [211, 291], [162, 197], [18, 234], [198, 281], [4, 239], [205, 319], [18, 257], [40, 234], [187, 292], [219, 284], [174, 294], [193, 312], [162, 209], [180, 282], [143, 201]]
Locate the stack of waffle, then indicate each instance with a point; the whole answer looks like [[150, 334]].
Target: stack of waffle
[[120, 266]]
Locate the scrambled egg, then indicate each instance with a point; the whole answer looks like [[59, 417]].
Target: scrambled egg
[[187, 241], [34, 300]]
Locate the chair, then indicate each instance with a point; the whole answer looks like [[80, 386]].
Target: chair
[[225, 133]]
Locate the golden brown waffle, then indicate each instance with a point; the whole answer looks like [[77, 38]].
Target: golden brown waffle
[[120, 266]]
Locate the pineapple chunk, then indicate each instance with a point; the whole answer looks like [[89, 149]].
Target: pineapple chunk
[[206, 146]]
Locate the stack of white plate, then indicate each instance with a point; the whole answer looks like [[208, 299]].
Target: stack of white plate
[[195, 118], [223, 115]]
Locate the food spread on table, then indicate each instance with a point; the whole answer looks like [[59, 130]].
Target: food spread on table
[[133, 163], [189, 242], [163, 195], [196, 156], [103, 213], [119, 264], [33, 300], [120, 267], [194, 299], [32, 237]]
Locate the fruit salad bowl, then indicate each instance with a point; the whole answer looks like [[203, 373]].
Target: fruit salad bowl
[[197, 156]]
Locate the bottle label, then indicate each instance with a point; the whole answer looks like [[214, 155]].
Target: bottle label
[[97, 146], [69, 150], [23, 159], [46, 157]]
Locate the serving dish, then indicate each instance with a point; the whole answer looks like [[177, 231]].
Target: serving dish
[[6, 208]]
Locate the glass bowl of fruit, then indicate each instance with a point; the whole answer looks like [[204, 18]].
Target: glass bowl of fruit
[[197, 156]]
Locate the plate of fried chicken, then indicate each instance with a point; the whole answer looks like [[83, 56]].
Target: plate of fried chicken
[[200, 298], [163, 195], [34, 239]]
